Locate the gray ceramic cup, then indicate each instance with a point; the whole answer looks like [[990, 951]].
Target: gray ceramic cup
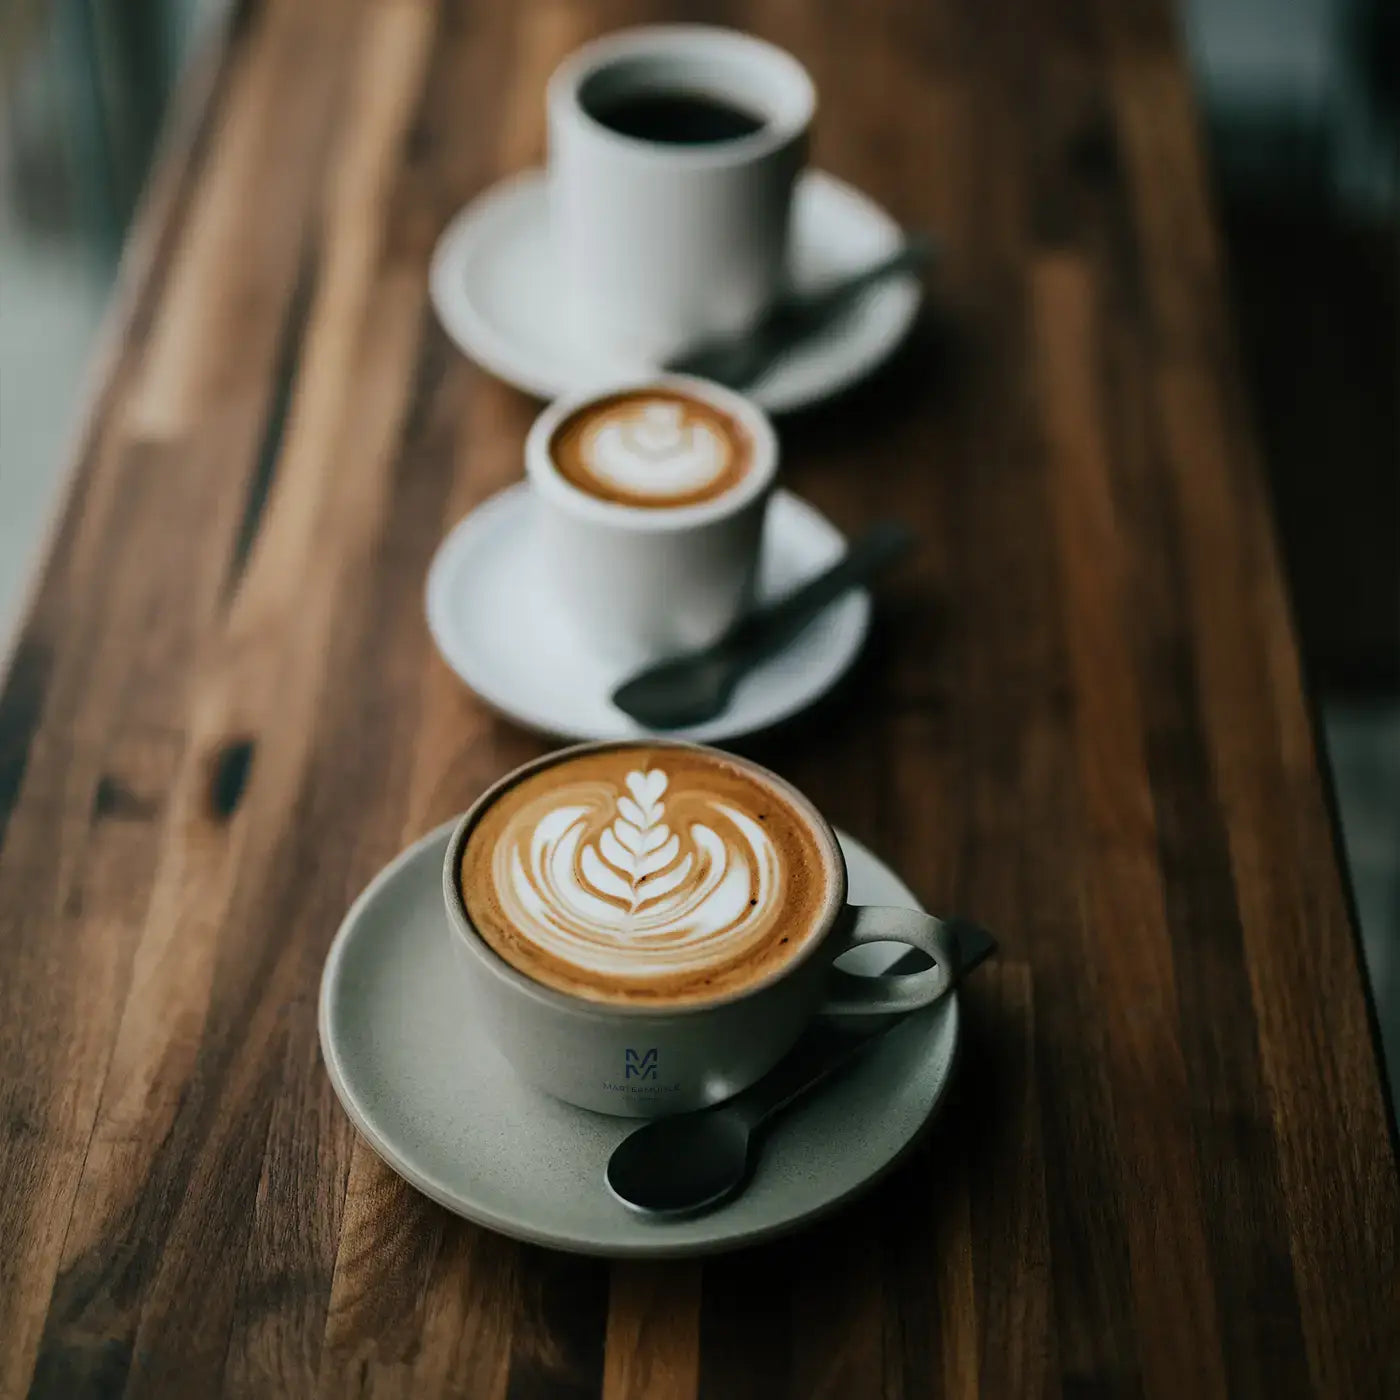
[[644, 1061]]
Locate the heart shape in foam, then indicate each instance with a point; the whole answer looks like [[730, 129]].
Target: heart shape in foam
[[646, 788], [659, 428]]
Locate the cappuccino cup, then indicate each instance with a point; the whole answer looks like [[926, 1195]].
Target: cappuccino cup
[[650, 499], [673, 151], [646, 927]]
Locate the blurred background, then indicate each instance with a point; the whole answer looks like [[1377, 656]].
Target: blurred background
[[1301, 105]]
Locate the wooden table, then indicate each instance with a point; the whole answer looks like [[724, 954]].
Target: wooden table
[[1170, 1167]]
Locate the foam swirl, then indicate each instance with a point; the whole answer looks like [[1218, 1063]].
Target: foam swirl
[[632, 881], [651, 448]]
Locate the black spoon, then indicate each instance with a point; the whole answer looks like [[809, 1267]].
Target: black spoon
[[692, 1162], [695, 687], [740, 359]]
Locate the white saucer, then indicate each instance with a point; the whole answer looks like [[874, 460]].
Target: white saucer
[[502, 635], [497, 294], [452, 1119]]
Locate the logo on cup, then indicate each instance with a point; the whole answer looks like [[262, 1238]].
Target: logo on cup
[[641, 1066]]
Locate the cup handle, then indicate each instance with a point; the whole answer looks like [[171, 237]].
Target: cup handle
[[853, 995]]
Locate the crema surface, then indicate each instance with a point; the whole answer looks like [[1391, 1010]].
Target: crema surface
[[646, 874], [651, 447]]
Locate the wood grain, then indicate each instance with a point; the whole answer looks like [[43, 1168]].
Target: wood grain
[[1168, 1166], [653, 1339]]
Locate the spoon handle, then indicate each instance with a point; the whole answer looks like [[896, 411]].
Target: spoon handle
[[828, 1045], [910, 257], [822, 1050], [770, 627], [739, 359]]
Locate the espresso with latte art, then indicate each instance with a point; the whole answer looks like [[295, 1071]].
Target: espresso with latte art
[[654, 448], [647, 874]]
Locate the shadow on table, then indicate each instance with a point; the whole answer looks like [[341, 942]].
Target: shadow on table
[[909, 1243], [927, 370], [873, 686]]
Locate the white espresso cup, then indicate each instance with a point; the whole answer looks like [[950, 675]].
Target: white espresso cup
[[661, 243], [650, 1060], [638, 582]]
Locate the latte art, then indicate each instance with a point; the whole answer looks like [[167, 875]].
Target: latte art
[[653, 447], [602, 880], [633, 875], [654, 452]]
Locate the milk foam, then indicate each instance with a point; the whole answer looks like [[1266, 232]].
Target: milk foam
[[636, 882], [648, 448]]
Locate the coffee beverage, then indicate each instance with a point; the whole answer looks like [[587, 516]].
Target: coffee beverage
[[645, 926], [677, 118], [653, 447], [652, 875], [650, 498]]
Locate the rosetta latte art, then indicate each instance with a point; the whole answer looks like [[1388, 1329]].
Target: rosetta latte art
[[651, 449], [637, 882]]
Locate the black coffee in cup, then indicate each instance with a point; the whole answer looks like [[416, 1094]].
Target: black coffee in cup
[[673, 118]]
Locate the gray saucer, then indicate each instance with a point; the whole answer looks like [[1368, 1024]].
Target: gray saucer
[[450, 1117]]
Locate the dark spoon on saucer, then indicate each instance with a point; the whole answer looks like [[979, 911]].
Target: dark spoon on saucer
[[692, 1162], [695, 687]]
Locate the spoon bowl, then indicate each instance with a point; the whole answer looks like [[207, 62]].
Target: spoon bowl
[[683, 691], [683, 1165]]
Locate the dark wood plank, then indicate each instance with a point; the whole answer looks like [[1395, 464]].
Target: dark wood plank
[[1015, 1305], [420, 1303], [1336, 336], [560, 1326], [1126, 925], [1167, 1166], [653, 1340], [1242, 1195], [745, 1340]]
